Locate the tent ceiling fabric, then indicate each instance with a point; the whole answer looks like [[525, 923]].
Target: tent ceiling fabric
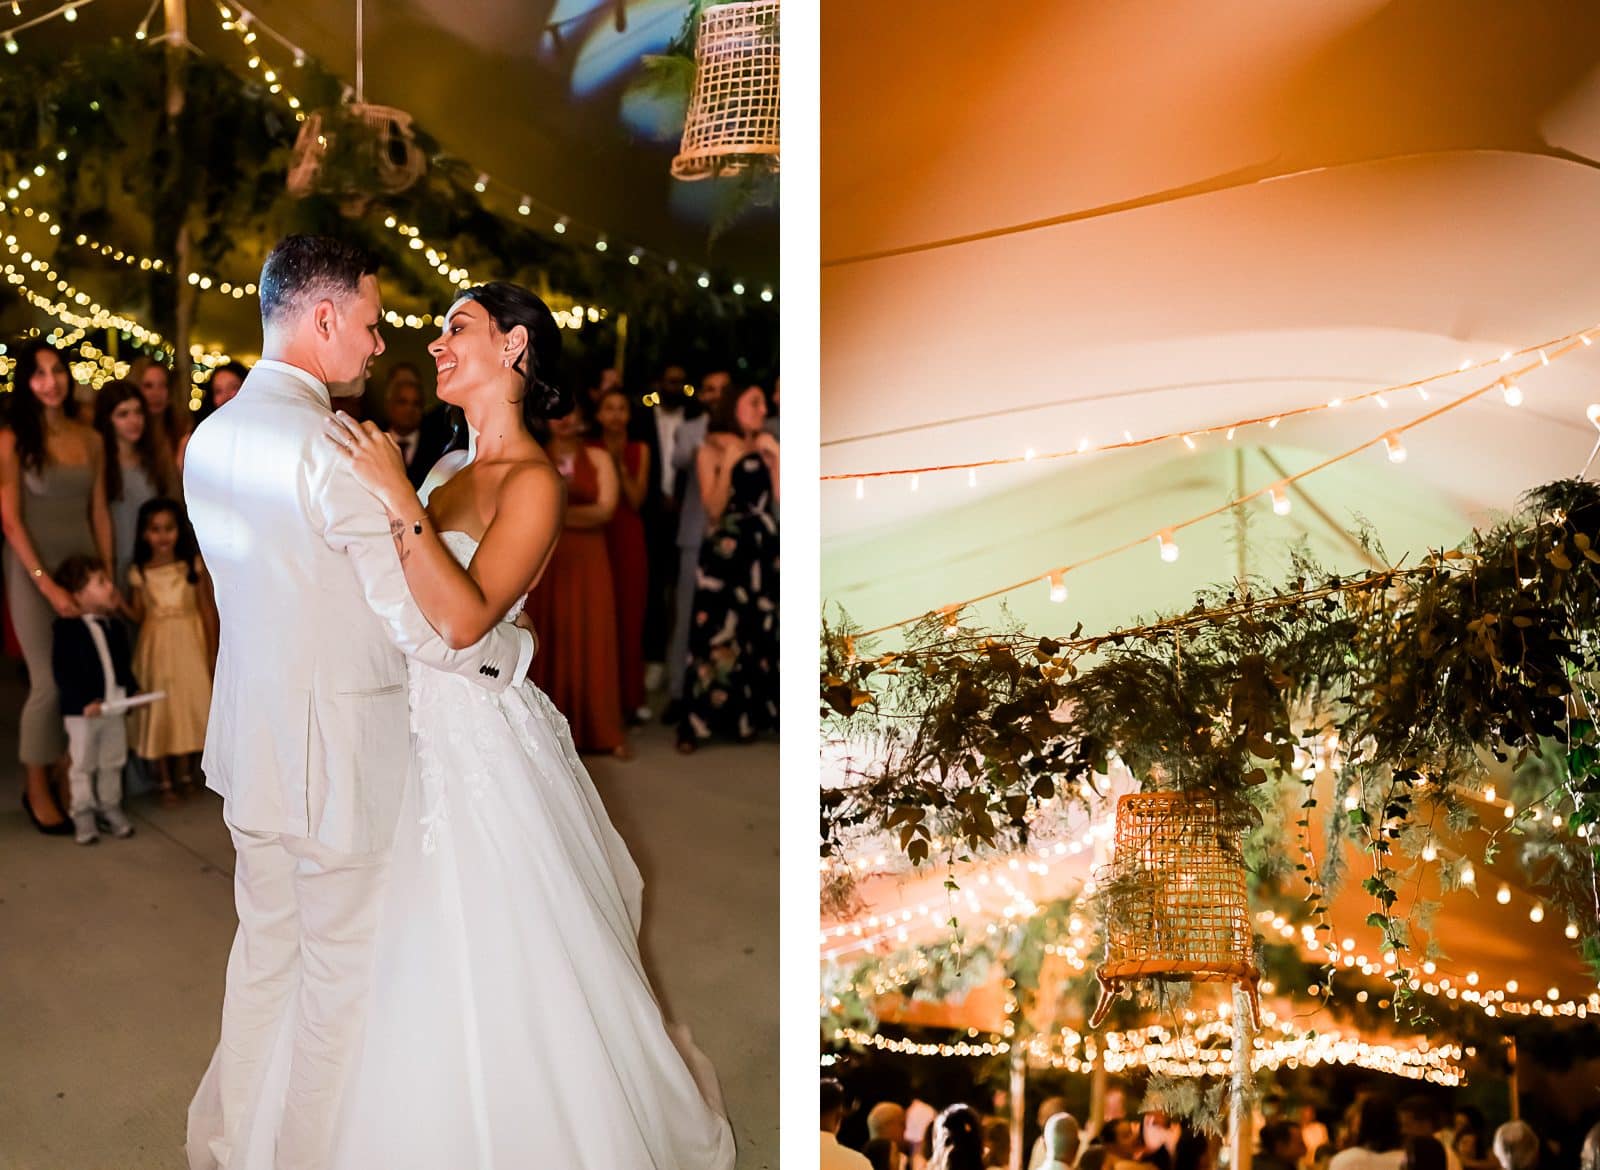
[[484, 79], [1416, 224]]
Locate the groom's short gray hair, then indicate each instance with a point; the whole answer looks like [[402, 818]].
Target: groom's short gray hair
[[302, 270]]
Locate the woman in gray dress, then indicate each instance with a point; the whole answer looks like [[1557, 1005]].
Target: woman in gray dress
[[136, 469], [52, 506]]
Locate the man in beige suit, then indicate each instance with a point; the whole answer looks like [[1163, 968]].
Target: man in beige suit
[[309, 740]]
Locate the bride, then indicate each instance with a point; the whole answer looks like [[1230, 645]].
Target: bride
[[511, 1023]]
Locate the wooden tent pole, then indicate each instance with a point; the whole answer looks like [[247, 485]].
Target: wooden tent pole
[[1019, 1085], [1241, 1092]]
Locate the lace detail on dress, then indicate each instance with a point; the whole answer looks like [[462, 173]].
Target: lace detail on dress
[[468, 736]]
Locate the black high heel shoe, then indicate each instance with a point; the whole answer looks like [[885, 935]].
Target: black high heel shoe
[[60, 829]]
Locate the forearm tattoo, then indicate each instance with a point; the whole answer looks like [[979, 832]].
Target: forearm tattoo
[[397, 529]]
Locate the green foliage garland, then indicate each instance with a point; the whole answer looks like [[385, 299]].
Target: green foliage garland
[[1425, 673]]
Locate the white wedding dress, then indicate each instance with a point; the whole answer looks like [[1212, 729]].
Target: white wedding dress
[[511, 1025]]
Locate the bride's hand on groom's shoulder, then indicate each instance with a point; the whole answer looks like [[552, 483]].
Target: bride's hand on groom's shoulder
[[373, 456]]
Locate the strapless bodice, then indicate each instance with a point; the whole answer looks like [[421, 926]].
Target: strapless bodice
[[463, 547]]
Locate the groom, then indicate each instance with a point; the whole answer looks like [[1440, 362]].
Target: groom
[[309, 741]]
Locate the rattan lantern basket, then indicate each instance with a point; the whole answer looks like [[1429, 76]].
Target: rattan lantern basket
[[1176, 901], [733, 111]]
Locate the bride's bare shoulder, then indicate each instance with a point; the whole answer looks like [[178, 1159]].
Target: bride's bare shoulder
[[530, 483]]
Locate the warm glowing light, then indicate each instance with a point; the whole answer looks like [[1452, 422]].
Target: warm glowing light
[[1396, 449], [1058, 587], [1168, 545], [1281, 503]]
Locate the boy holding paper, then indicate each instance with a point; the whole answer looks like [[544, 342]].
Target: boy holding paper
[[93, 670]]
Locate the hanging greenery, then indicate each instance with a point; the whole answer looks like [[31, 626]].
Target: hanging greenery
[[1425, 680], [131, 178]]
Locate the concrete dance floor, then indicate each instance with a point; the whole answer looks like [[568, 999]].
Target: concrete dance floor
[[112, 957]]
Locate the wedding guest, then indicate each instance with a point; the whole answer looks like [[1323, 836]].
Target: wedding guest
[[610, 379], [1516, 1146], [1374, 1138], [1423, 1153], [135, 470], [957, 1140], [1419, 1118], [224, 385], [834, 1156], [657, 428], [165, 416], [1589, 1155], [402, 416], [1282, 1147], [52, 506], [772, 418], [1060, 1140], [882, 1154], [996, 1144], [625, 543], [1124, 1142], [886, 1122], [573, 606], [91, 666], [1161, 1136], [1312, 1132], [1048, 1108], [691, 532], [731, 685], [171, 599]]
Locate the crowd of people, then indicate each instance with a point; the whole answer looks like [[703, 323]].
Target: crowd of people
[[664, 582], [1372, 1133]]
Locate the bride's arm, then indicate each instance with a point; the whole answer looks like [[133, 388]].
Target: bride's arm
[[462, 604]]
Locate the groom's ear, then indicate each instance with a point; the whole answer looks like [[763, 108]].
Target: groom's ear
[[323, 317]]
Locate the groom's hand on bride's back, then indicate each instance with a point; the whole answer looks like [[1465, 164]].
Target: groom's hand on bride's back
[[526, 623]]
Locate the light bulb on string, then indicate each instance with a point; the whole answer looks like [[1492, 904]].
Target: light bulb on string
[[633, 257], [1395, 448], [1503, 894], [1593, 413], [1511, 392], [1058, 587], [1584, 337], [600, 245], [561, 226], [526, 207], [482, 184], [1281, 504], [1429, 851], [914, 481], [1537, 913], [766, 294], [1168, 545], [972, 477], [861, 489], [1469, 876], [704, 280], [11, 44], [1188, 441], [1572, 930], [70, 15]]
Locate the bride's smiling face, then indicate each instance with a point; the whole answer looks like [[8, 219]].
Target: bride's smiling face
[[470, 354]]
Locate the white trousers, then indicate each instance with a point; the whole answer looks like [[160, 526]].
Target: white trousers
[[301, 960], [96, 751]]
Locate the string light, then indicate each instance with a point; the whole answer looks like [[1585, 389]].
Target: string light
[[1395, 448], [1503, 894], [1058, 588], [1280, 501], [246, 24], [1511, 392], [1168, 544], [1188, 435]]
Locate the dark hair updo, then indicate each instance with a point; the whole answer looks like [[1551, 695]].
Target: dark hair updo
[[508, 306]]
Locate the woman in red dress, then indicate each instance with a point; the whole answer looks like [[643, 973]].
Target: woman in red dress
[[630, 567], [573, 606]]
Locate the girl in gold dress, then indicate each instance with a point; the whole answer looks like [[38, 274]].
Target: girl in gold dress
[[171, 598]]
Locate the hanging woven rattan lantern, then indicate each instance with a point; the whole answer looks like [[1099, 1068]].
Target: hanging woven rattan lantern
[[733, 111], [1176, 905]]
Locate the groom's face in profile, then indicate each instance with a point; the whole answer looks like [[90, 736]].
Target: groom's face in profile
[[355, 340]]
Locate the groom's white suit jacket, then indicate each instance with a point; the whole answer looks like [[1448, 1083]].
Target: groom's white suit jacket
[[310, 732]]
